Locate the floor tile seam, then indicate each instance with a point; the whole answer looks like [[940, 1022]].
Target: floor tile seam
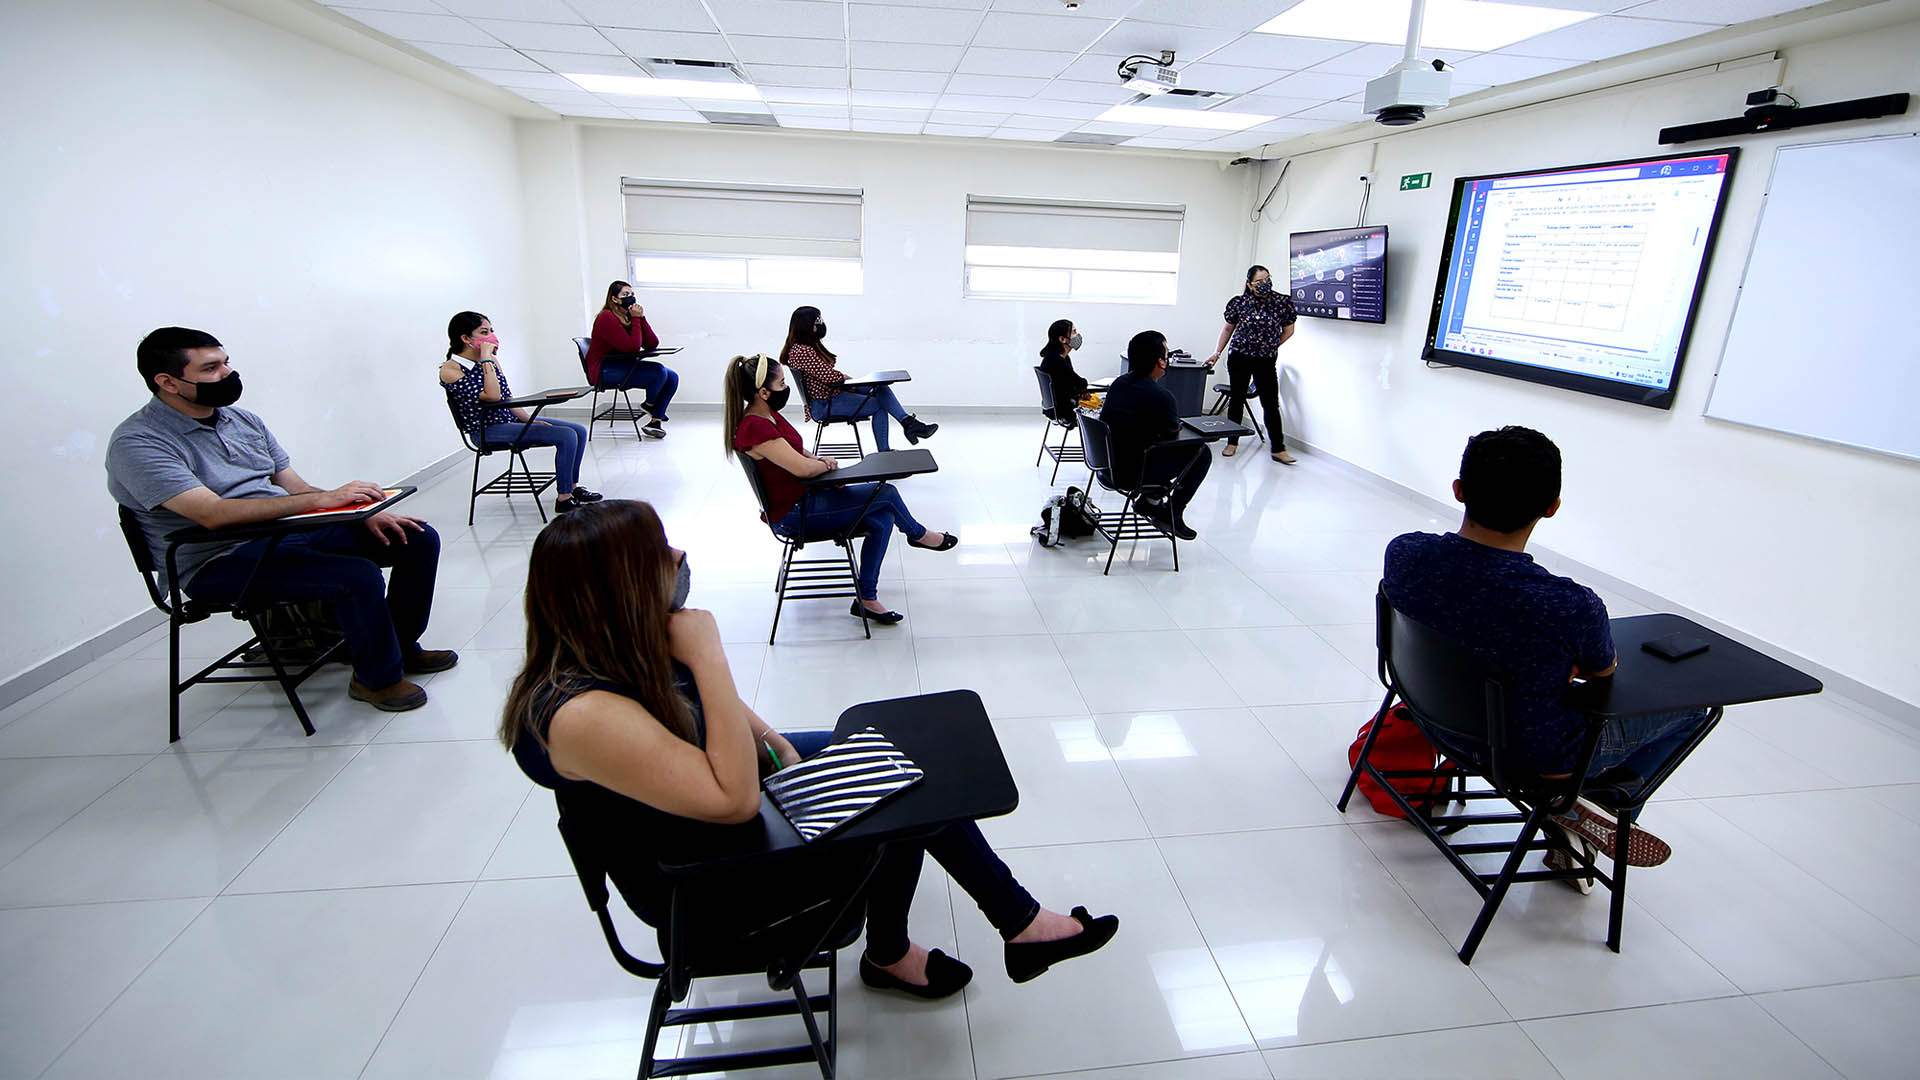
[[438, 944], [1213, 957], [206, 904], [295, 816], [1813, 875], [38, 840], [1256, 1052], [1764, 1011], [1784, 1026], [1355, 1039], [104, 902], [495, 850]]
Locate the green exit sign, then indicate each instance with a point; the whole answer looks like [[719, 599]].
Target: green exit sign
[[1416, 181]]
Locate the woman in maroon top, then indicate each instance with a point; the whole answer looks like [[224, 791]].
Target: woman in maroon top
[[807, 355], [755, 392], [620, 334]]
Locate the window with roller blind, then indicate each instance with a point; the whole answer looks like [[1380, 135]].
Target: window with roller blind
[[690, 234], [1050, 249]]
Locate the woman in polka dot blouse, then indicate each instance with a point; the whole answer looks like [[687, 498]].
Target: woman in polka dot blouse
[[474, 383]]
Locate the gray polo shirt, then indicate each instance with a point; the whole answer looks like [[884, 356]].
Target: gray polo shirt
[[160, 452]]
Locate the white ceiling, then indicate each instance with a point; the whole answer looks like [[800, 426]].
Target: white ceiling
[[1007, 69]]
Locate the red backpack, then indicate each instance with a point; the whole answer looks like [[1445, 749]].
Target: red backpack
[[1400, 746]]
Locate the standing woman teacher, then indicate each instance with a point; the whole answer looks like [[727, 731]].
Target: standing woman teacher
[[1259, 321]]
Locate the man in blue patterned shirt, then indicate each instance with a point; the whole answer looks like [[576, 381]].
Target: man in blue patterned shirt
[[1479, 587]]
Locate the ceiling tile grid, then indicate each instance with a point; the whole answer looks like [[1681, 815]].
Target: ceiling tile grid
[[1024, 70]]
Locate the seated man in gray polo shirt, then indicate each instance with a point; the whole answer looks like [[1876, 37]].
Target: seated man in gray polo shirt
[[188, 457]]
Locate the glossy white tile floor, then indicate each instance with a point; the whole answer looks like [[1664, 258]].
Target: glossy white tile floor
[[389, 898]]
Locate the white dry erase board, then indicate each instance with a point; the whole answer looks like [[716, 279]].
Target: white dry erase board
[[1825, 340]]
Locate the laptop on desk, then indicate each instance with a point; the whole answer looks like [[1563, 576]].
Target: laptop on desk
[[1213, 425]]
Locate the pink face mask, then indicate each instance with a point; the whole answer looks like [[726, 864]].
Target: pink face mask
[[491, 339]]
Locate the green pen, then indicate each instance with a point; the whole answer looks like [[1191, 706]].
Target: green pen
[[772, 758]]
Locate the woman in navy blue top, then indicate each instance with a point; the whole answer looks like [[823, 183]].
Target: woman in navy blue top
[[472, 378], [627, 710]]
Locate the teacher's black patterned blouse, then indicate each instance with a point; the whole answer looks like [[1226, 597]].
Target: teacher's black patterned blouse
[[1258, 321]]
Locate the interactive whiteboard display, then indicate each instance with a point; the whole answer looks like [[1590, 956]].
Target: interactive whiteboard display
[[1582, 277], [1339, 273]]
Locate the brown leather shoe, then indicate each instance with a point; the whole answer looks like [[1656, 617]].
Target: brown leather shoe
[[428, 661], [399, 697]]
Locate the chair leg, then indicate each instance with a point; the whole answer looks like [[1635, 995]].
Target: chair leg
[[593, 412], [1125, 508], [473, 490], [853, 572], [1359, 763], [1618, 909], [527, 474], [655, 1016], [780, 592], [1502, 884], [1044, 432], [633, 414], [173, 680], [805, 1008], [287, 683]]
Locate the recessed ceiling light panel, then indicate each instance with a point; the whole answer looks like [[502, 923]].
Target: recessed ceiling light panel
[[1153, 116], [641, 86], [1471, 25]]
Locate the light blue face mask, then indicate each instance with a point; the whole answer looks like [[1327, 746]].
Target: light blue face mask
[[682, 584]]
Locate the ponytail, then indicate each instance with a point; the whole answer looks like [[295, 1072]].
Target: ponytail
[[460, 326], [743, 380]]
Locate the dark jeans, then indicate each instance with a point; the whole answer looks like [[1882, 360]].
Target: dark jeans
[[1162, 466], [629, 373], [566, 437], [829, 511], [1642, 744], [340, 565], [960, 850], [859, 405], [1266, 380]]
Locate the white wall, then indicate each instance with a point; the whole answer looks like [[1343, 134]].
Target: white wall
[[961, 352], [1809, 546], [175, 162]]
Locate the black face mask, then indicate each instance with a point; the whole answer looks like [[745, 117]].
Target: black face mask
[[682, 584], [1262, 288], [628, 301], [777, 399], [218, 393], [819, 329]]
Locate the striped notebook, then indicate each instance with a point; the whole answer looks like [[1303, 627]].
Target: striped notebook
[[841, 782]]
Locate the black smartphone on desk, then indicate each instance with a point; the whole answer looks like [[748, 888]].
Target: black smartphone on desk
[[1676, 646]]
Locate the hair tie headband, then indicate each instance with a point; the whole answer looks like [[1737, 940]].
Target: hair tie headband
[[759, 370]]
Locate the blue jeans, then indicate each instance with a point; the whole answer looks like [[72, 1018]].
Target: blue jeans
[[628, 373], [566, 437], [960, 850], [340, 565], [859, 405], [827, 512], [1644, 743]]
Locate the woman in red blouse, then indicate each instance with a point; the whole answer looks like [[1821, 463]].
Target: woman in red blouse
[[756, 390], [620, 334], [826, 401]]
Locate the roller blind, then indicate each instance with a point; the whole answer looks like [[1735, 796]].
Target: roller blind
[[998, 221], [711, 218]]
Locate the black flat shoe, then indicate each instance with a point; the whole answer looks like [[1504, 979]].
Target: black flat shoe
[[945, 977], [886, 618], [1030, 960], [582, 495], [563, 506], [952, 541]]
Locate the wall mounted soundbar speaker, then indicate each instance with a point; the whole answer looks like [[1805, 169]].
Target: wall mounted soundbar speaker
[[1760, 120]]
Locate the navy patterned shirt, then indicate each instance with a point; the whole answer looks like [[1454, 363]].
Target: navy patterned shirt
[[477, 415], [1258, 322], [1535, 624]]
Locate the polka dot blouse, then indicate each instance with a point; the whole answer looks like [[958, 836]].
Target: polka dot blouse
[[476, 415]]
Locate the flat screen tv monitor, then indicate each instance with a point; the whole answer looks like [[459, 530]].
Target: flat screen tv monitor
[[1583, 277], [1339, 273]]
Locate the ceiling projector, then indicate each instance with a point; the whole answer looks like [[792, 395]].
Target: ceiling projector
[[1404, 94]]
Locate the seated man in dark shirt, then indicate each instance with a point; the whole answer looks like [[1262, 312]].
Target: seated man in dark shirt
[[1479, 587], [1139, 412], [190, 458]]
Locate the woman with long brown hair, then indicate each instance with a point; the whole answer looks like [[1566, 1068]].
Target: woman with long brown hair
[[620, 334], [627, 709], [755, 391], [807, 354]]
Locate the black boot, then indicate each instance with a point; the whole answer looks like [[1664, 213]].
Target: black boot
[[917, 430]]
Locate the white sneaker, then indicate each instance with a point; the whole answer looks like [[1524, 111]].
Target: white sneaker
[[1558, 859]]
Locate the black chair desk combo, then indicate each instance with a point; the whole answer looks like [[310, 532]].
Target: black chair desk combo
[[181, 610], [721, 917], [836, 577], [1223, 393], [1062, 419], [620, 407], [509, 483], [1451, 690]]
